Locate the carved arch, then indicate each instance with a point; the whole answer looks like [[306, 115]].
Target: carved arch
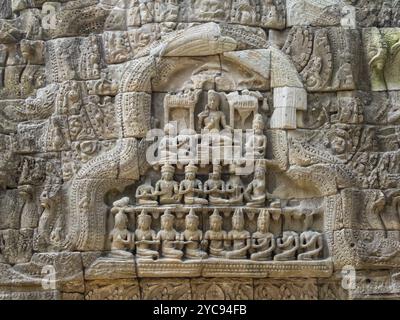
[[122, 165]]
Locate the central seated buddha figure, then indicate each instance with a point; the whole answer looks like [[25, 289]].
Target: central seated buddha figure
[[212, 118]]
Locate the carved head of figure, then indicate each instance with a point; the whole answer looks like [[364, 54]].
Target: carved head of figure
[[73, 92], [119, 206], [215, 221], [258, 124], [338, 141], [27, 49], [232, 169], [45, 199], [121, 220], [214, 100], [263, 221], [216, 174], [167, 220], [192, 221], [238, 220], [190, 172], [170, 129], [288, 235], [308, 219], [167, 172], [259, 172], [144, 221], [32, 51]]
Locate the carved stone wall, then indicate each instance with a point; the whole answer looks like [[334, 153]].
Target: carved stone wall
[[199, 149]]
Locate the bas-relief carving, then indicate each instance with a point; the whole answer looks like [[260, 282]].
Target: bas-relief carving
[[165, 289], [328, 60], [380, 13], [297, 289], [222, 289], [78, 100], [369, 285], [381, 46], [112, 290]]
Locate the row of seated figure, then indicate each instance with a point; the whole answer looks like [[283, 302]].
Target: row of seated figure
[[215, 191], [214, 243]]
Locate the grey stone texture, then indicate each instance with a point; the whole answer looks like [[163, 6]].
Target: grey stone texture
[[307, 209]]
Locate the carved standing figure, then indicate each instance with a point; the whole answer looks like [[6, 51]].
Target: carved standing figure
[[170, 239], [377, 60], [146, 238], [49, 199], [215, 238], [263, 241], [122, 240], [29, 213], [238, 237], [192, 237]]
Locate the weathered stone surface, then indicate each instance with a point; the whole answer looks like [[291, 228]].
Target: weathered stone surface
[[222, 289], [199, 149], [118, 289], [297, 289], [165, 289]]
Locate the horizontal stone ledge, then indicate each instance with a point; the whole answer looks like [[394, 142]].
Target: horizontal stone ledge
[[109, 268], [184, 208], [240, 268], [31, 295]]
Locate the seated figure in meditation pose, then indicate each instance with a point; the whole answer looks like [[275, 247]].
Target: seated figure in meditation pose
[[311, 242], [146, 238], [213, 121], [234, 187], [191, 188], [256, 193], [122, 240], [145, 194], [192, 237], [238, 237], [256, 145], [212, 118], [287, 246], [215, 238], [215, 187], [170, 239], [166, 188], [263, 241]]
